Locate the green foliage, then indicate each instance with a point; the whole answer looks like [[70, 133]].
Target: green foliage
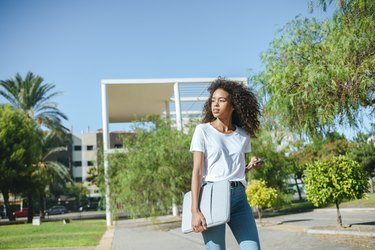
[[19, 149], [334, 180], [323, 148], [79, 192], [271, 146], [259, 195], [154, 171], [320, 73], [363, 151]]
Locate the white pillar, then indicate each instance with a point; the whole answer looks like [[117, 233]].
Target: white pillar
[[178, 106], [177, 103], [105, 149]]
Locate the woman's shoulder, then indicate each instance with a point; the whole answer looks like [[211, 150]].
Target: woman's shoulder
[[202, 126], [242, 131]]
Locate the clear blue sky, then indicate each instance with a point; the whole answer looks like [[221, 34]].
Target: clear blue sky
[[76, 43]]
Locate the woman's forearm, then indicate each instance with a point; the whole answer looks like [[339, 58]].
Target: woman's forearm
[[196, 180]]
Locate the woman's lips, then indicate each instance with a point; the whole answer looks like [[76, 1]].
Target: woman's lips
[[215, 110]]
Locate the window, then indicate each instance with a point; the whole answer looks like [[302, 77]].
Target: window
[[117, 146], [90, 163], [77, 163], [78, 179], [90, 147], [77, 148]]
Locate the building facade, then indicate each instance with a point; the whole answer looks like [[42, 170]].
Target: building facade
[[84, 155]]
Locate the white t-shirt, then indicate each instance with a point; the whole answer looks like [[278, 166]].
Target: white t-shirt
[[224, 154]]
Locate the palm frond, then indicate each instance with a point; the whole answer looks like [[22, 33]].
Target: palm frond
[[59, 169], [34, 98], [53, 151]]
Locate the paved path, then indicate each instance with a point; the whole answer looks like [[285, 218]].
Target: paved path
[[279, 232]]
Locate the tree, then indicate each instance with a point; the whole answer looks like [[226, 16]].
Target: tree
[[320, 148], [154, 172], [260, 196], [333, 181], [323, 148], [19, 151], [47, 171], [363, 151], [79, 192], [318, 74], [34, 97]]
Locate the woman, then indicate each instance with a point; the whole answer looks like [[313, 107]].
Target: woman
[[219, 146]]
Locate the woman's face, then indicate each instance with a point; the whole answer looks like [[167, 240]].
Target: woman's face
[[220, 104]]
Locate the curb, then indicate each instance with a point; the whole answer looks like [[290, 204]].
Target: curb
[[336, 232], [366, 209], [107, 238]]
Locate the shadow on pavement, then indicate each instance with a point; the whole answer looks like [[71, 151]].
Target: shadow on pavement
[[370, 223], [291, 221]]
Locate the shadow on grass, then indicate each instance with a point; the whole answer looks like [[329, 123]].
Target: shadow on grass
[[292, 208]]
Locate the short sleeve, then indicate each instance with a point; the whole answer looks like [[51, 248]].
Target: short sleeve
[[197, 142], [247, 145]]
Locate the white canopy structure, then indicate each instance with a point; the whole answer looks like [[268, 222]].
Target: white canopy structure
[[130, 100]]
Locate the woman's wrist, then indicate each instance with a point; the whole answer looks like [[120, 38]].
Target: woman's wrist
[[195, 210]]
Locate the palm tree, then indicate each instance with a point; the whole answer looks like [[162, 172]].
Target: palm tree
[[49, 172], [34, 97]]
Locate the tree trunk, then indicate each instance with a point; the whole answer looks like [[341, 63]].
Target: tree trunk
[[339, 220], [9, 213], [42, 205], [299, 191], [371, 184], [30, 215], [260, 215]]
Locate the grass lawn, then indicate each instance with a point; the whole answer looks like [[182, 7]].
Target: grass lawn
[[52, 234], [369, 202], [307, 205]]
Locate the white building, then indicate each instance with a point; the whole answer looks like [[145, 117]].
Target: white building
[[84, 157]]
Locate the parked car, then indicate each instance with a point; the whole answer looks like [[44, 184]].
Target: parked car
[[56, 210], [21, 213], [2, 214]]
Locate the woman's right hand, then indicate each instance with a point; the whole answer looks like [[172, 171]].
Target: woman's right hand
[[198, 222]]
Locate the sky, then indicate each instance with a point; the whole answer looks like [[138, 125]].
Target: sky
[[74, 44]]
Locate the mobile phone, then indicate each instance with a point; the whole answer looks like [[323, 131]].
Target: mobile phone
[[259, 161]]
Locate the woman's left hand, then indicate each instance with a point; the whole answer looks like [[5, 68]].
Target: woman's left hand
[[255, 163]]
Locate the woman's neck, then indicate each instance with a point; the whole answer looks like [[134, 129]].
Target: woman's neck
[[223, 125]]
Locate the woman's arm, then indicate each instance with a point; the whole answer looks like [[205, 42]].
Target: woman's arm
[[198, 221]]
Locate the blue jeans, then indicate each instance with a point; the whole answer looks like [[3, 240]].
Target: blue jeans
[[241, 223]]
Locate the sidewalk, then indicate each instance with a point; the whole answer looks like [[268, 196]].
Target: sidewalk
[[294, 231]]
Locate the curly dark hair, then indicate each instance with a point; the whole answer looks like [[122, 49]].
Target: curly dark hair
[[245, 104]]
